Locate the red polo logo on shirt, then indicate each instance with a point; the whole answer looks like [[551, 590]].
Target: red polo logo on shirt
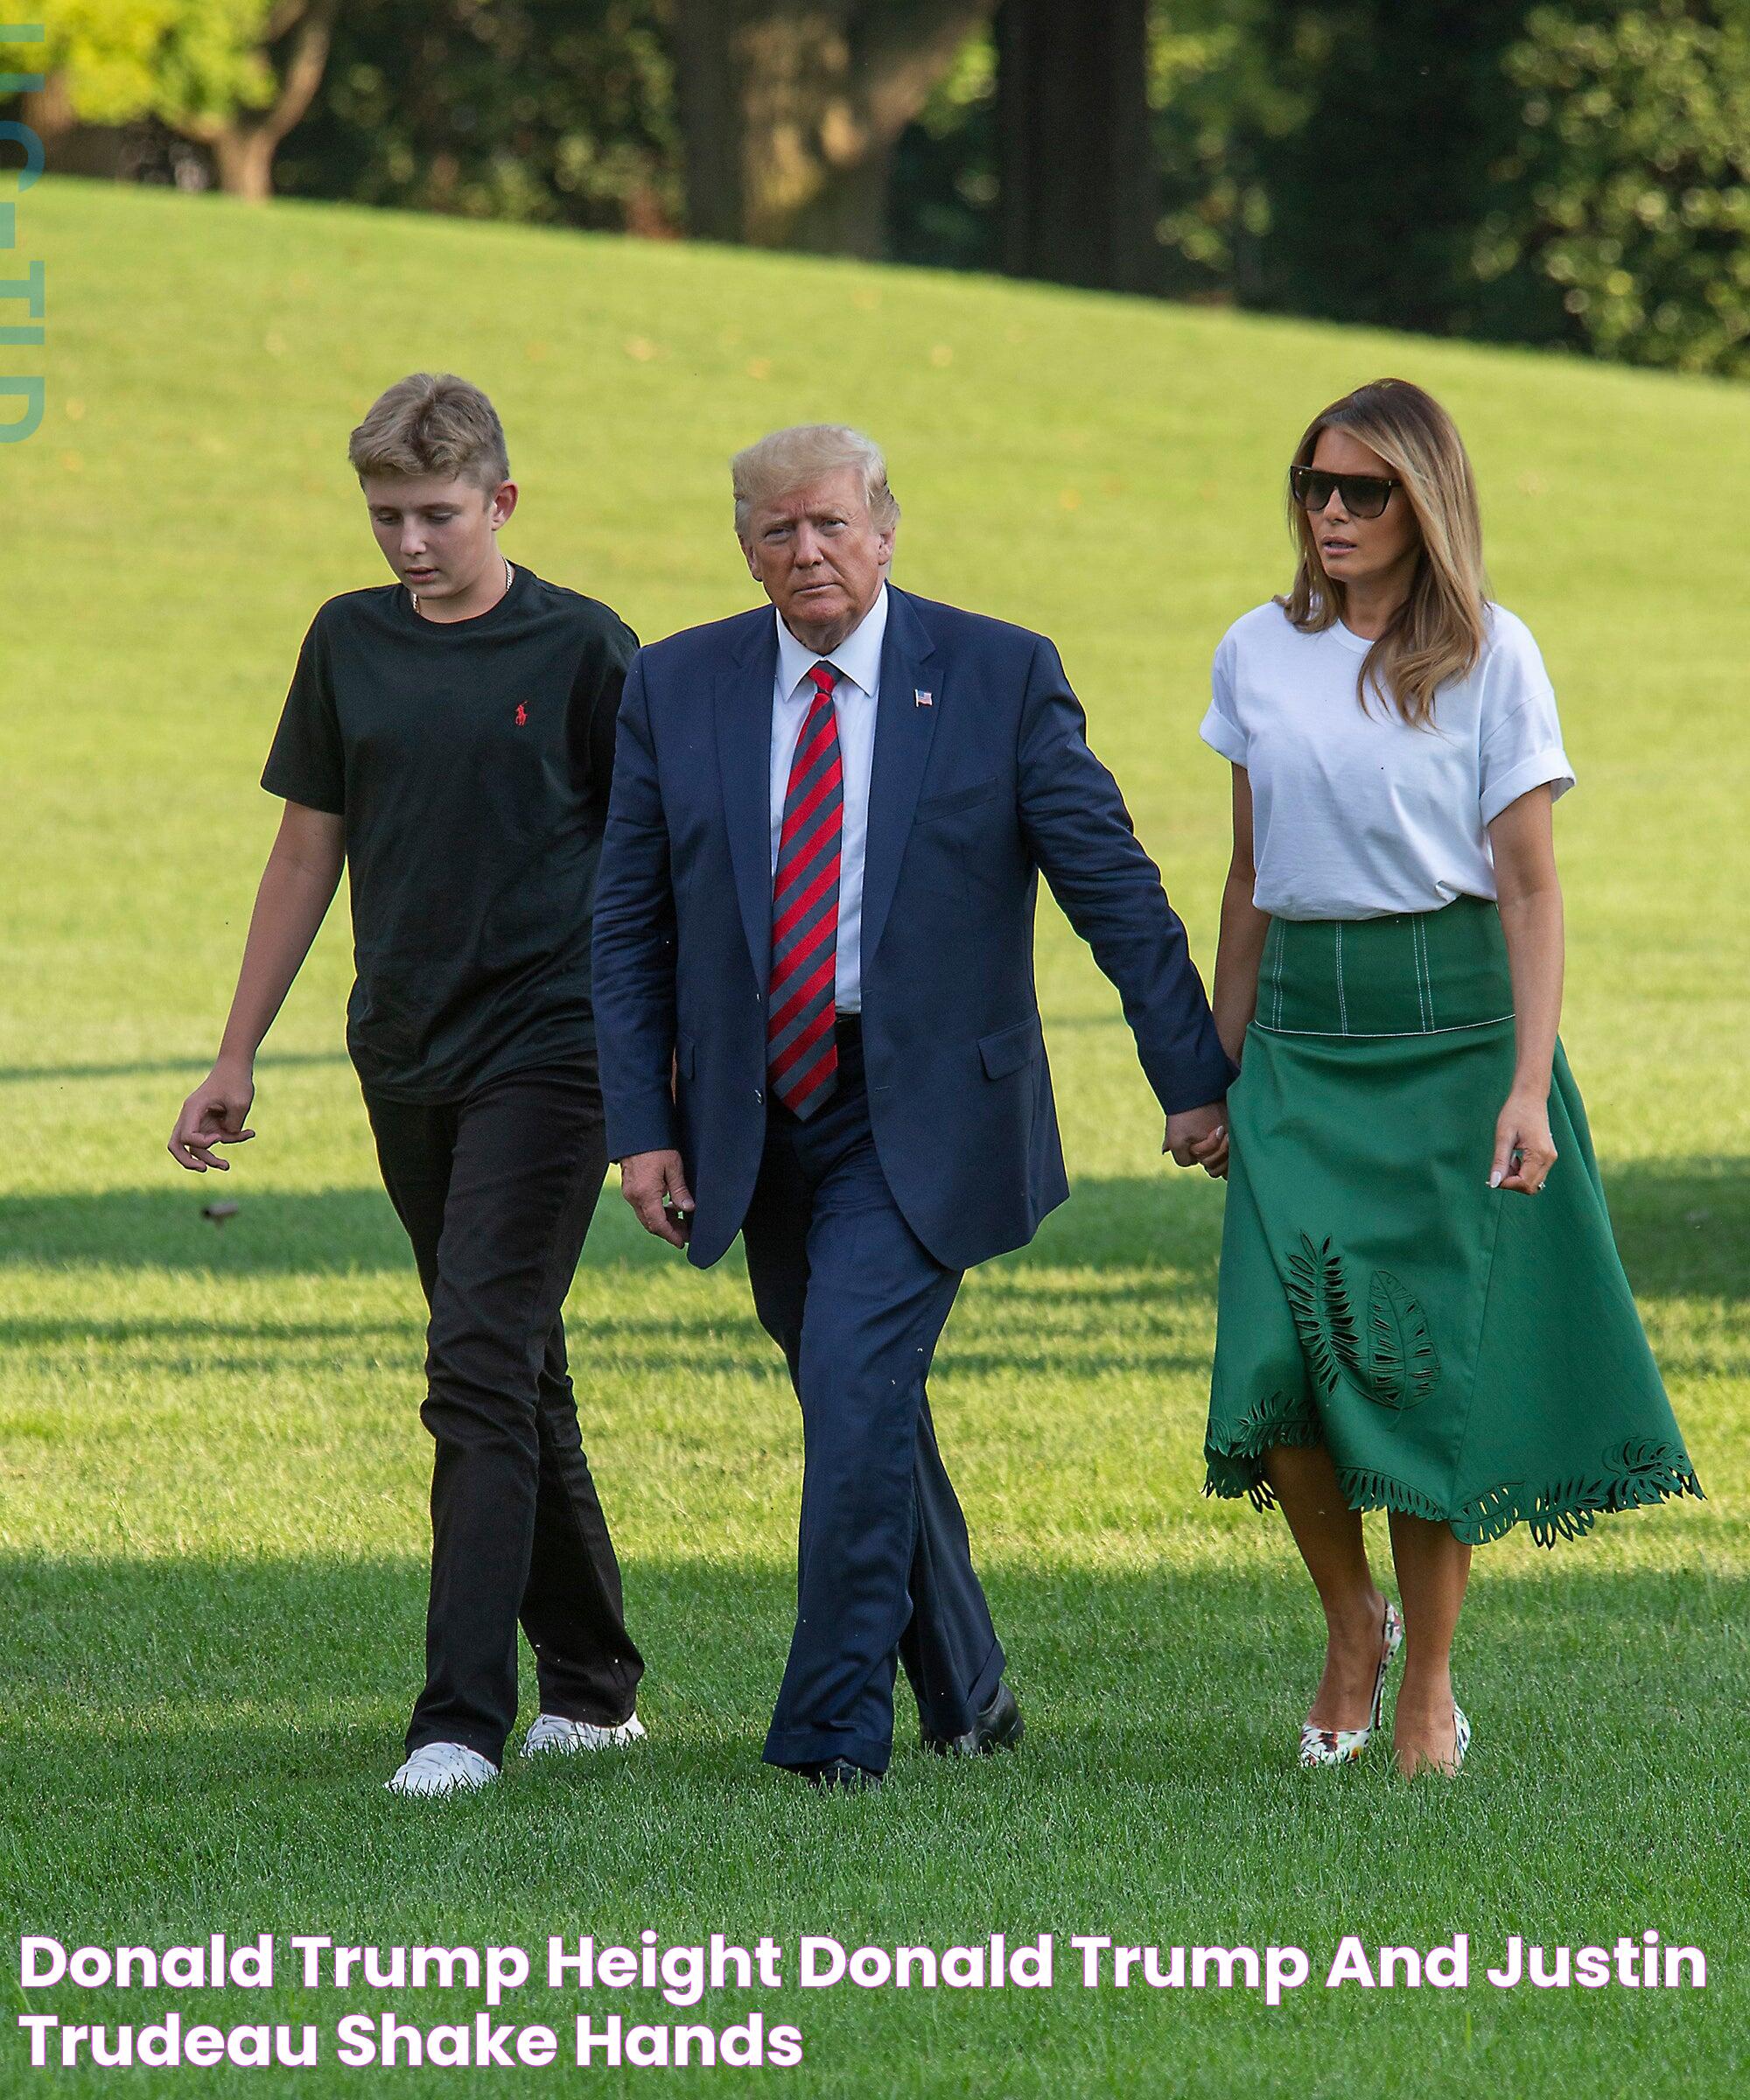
[[521, 715]]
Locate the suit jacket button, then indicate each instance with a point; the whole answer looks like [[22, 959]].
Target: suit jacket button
[[758, 1095]]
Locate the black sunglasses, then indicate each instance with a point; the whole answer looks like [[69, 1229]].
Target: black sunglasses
[[1364, 495]]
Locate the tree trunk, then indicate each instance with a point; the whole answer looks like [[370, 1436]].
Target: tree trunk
[[244, 146], [1076, 176], [790, 110], [243, 157]]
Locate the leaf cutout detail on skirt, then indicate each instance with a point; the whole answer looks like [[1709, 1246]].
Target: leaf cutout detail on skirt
[[1645, 1472], [1399, 1366], [1365, 1489], [1235, 1466], [1636, 1475], [1402, 1365], [1490, 1516], [1319, 1298]]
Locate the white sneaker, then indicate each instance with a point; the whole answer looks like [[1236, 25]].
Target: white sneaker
[[552, 1731], [443, 1769]]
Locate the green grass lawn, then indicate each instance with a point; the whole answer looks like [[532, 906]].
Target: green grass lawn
[[212, 1474]]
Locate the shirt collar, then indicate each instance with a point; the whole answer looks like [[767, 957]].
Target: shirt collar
[[858, 657]]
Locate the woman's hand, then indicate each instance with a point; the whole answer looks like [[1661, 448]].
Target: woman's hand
[[1199, 1138], [1525, 1150], [1531, 920]]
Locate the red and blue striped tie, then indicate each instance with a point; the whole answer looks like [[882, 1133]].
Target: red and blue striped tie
[[801, 1052]]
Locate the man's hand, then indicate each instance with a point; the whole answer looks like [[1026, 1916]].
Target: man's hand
[[213, 1115], [656, 1189], [1199, 1138]]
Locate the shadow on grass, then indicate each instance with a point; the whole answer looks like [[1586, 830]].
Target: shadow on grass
[[323, 1231], [1683, 1226], [194, 1065], [1117, 1224]]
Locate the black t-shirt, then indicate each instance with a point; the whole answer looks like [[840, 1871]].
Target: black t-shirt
[[472, 762]]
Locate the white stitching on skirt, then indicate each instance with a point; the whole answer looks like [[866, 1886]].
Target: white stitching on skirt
[[1392, 1035], [1342, 1002], [1427, 969], [1421, 981]]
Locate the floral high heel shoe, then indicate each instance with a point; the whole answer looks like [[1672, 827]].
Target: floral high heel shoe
[[1344, 1745], [1461, 1736]]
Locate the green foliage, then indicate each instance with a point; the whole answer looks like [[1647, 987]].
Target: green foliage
[[1376, 183], [186, 62], [1630, 181], [942, 194], [1576, 173], [550, 111], [1216, 92], [106, 49]]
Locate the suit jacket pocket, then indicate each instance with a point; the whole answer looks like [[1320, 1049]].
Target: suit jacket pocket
[[1009, 1049], [956, 798]]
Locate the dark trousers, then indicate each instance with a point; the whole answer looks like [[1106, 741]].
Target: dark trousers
[[496, 1192], [884, 1569]]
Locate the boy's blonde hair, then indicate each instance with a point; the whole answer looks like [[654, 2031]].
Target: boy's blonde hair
[[432, 423]]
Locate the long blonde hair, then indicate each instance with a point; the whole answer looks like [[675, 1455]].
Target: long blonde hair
[[1437, 633]]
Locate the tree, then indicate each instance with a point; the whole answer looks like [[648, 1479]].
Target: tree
[[240, 73], [233, 75], [1373, 198], [1627, 195], [557, 111], [1216, 94], [790, 110], [1075, 173], [1211, 94]]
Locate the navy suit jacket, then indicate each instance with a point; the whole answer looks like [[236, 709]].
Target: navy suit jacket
[[971, 796]]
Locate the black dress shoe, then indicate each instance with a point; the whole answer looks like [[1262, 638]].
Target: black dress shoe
[[839, 1776], [998, 1728]]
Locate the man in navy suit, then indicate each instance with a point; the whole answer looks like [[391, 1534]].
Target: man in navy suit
[[815, 1009]]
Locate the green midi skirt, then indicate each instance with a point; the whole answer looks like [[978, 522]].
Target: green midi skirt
[[1464, 1354]]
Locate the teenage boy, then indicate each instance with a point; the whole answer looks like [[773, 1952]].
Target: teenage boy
[[451, 737]]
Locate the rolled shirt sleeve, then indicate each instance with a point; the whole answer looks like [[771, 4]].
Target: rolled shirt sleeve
[[1519, 732], [1221, 729]]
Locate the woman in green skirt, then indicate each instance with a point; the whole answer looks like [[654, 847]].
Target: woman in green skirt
[[1421, 1304]]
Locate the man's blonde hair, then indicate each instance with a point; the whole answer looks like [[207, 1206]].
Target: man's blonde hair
[[807, 453], [432, 423]]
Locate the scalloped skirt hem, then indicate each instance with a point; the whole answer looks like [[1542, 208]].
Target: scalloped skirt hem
[[1647, 1477]]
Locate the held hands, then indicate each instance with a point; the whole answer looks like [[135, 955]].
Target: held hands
[[656, 1189], [1199, 1138], [213, 1115], [1525, 1150]]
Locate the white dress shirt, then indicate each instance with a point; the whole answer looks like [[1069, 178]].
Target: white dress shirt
[[858, 660]]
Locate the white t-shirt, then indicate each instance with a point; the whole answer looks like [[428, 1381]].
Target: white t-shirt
[[1356, 815]]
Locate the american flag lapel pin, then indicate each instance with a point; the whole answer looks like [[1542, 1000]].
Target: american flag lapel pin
[[923, 698]]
